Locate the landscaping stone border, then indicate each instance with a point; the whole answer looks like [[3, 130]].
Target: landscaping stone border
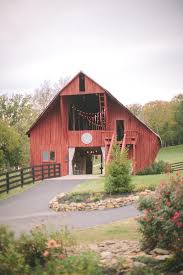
[[107, 203]]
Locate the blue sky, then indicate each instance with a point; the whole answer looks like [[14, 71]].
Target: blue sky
[[134, 48]]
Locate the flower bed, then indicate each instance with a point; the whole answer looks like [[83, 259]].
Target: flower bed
[[91, 201]]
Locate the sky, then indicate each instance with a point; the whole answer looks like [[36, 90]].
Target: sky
[[133, 48]]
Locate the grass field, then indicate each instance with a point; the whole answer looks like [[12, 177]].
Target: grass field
[[120, 230], [140, 183], [171, 154]]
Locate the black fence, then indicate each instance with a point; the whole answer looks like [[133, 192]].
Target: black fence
[[24, 176], [177, 166]]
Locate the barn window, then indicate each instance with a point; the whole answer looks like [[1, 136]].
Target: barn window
[[81, 82], [48, 155], [52, 155], [45, 155]]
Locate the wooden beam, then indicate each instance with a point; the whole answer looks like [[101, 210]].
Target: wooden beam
[[110, 148], [123, 143]]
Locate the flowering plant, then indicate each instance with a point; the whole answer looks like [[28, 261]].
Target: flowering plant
[[162, 221]]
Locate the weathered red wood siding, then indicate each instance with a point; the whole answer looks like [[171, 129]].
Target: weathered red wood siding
[[46, 136], [74, 138], [90, 87], [148, 143]]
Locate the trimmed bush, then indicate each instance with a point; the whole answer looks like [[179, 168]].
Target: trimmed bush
[[162, 222], [118, 178], [158, 167]]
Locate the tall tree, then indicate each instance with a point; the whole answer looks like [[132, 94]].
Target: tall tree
[[136, 109], [10, 146], [45, 93], [160, 117], [17, 111], [178, 100]]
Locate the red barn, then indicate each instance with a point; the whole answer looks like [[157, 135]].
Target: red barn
[[81, 123]]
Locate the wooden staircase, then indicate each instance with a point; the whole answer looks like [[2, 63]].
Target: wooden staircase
[[108, 145], [130, 137]]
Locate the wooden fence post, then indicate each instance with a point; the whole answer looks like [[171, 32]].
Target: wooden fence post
[[54, 169], [7, 182], [42, 171], [22, 177], [49, 170], [33, 174]]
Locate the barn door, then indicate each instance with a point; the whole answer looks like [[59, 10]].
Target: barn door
[[119, 129]]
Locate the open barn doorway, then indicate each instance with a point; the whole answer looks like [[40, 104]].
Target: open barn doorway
[[87, 160]]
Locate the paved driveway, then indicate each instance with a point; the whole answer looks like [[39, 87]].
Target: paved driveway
[[30, 208]]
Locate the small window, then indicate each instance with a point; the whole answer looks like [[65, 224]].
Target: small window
[[48, 155], [82, 82], [45, 156], [52, 155]]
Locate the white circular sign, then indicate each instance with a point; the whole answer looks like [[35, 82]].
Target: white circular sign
[[86, 138]]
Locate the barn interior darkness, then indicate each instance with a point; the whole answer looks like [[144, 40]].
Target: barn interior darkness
[[84, 112], [87, 160]]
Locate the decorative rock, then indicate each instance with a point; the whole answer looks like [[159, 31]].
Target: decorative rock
[[61, 195], [138, 264], [106, 255], [109, 203], [163, 257], [160, 251]]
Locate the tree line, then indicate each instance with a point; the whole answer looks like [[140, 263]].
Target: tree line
[[19, 111], [164, 117]]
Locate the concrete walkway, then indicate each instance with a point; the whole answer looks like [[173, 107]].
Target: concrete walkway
[[30, 208]]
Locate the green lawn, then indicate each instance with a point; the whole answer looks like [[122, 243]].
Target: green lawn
[[121, 230], [140, 182], [171, 154]]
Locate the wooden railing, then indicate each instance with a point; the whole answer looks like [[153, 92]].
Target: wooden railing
[[177, 166], [24, 176]]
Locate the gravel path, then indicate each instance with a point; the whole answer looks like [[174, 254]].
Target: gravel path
[[24, 211]]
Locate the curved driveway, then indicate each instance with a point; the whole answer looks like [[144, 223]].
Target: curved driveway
[[24, 211]]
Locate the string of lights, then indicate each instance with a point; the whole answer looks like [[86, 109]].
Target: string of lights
[[92, 118]]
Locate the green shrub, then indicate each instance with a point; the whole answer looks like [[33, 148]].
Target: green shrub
[[19, 256], [84, 264], [162, 222], [11, 261], [158, 167], [140, 187], [32, 246], [118, 178], [6, 238], [43, 253], [143, 271], [82, 197]]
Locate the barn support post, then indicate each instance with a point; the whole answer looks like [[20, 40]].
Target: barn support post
[[103, 158], [71, 155]]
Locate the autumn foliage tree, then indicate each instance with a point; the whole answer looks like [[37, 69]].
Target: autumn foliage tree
[[164, 117]]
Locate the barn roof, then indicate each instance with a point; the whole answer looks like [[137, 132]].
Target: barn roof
[[57, 96]]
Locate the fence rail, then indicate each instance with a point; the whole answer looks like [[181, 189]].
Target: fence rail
[[177, 166], [24, 176]]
